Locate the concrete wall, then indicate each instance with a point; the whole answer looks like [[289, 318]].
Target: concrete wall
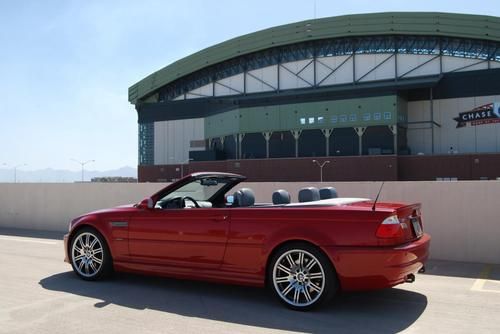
[[462, 216]]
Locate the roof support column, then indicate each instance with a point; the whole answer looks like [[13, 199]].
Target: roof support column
[[222, 142], [360, 131], [296, 136], [267, 137], [432, 120], [236, 155], [239, 140], [327, 133], [394, 130]]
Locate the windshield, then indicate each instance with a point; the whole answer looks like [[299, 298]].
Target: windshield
[[199, 190]]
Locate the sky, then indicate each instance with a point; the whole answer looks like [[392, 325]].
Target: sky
[[65, 66]]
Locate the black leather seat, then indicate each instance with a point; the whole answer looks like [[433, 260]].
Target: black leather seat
[[328, 192], [309, 194], [281, 196], [244, 197]]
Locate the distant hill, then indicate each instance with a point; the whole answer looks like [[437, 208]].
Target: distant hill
[[60, 175]]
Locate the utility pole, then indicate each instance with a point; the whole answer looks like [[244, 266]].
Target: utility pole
[[83, 163], [15, 171]]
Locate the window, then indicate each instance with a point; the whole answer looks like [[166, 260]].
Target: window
[[333, 119], [321, 120], [377, 116], [343, 118], [302, 121], [366, 117], [352, 117], [387, 115], [311, 120]]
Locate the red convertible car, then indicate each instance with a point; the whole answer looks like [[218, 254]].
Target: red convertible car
[[304, 252]]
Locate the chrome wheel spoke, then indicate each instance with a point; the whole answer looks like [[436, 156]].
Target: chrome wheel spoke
[[296, 295], [92, 265], [283, 279], [285, 269], [311, 264], [79, 257], [93, 243], [307, 295], [290, 260], [314, 287], [96, 260], [315, 275], [288, 288], [301, 260]]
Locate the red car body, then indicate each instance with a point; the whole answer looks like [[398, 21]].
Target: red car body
[[234, 244]]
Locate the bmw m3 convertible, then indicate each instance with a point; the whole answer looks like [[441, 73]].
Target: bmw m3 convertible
[[304, 251]]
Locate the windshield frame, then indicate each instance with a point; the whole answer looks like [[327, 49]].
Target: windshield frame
[[218, 196]]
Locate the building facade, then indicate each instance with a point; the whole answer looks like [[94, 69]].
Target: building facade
[[388, 87]]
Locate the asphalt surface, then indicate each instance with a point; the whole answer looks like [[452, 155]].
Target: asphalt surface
[[40, 294]]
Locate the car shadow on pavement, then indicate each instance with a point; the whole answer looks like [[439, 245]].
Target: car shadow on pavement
[[384, 311]]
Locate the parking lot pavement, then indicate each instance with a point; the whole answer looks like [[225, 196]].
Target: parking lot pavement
[[39, 294]]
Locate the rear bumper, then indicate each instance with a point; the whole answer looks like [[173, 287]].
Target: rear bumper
[[367, 268], [66, 255]]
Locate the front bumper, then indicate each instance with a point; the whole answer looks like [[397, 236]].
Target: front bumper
[[66, 255], [368, 268]]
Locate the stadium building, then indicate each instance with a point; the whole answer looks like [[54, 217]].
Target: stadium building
[[387, 96]]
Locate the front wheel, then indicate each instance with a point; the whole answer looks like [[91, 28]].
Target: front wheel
[[302, 277], [90, 257]]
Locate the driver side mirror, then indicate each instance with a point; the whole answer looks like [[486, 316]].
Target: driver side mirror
[[146, 203]]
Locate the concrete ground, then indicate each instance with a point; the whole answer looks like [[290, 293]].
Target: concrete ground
[[40, 294]]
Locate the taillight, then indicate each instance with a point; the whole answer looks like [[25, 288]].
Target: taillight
[[390, 228]]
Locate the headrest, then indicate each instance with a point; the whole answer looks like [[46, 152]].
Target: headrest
[[244, 197], [308, 194], [328, 192], [281, 197]]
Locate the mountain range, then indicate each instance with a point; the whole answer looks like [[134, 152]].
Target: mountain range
[[61, 175]]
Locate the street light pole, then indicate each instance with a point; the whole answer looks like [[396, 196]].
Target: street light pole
[[83, 163], [321, 165], [15, 171]]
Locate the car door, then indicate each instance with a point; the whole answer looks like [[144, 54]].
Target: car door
[[186, 237]]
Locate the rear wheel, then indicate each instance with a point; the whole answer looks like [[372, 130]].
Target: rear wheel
[[301, 276], [90, 257]]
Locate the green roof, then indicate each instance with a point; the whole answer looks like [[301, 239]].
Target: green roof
[[395, 23]]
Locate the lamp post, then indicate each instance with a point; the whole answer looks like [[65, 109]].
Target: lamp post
[[83, 163], [321, 165], [15, 171]]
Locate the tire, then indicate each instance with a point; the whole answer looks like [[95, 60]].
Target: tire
[[301, 276], [89, 255]]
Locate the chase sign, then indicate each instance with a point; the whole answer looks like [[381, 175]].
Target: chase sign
[[486, 114]]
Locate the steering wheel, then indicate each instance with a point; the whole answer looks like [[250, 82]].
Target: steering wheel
[[184, 198]]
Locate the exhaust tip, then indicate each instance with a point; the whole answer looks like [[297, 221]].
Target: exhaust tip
[[410, 278], [422, 270]]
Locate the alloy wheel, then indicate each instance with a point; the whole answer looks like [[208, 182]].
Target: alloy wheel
[[299, 278], [87, 254]]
